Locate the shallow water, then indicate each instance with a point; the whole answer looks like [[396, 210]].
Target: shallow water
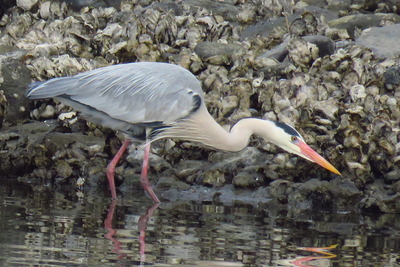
[[48, 226]]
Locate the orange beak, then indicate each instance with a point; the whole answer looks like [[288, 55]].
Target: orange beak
[[315, 157]]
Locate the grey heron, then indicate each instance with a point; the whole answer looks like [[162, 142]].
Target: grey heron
[[151, 101]]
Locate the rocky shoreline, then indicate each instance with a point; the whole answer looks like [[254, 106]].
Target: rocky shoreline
[[329, 69]]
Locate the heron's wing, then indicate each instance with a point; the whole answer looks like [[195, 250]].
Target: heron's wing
[[135, 93]]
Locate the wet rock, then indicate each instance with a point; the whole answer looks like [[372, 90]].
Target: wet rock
[[5, 5], [3, 106], [79, 4], [345, 7], [392, 78], [288, 24], [217, 53], [190, 170], [319, 11], [276, 28], [21, 147], [248, 178], [279, 190], [326, 46], [225, 8], [214, 178], [362, 21], [249, 156], [382, 40], [63, 169], [14, 78], [226, 194], [263, 28], [378, 198], [135, 158], [324, 195], [165, 183]]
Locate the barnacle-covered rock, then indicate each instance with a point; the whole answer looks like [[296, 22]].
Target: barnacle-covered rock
[[315, 194], [26, 4], [338, 94], [225, 9], [302, 53]]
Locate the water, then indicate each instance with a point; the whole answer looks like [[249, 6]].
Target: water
[[47, 226]]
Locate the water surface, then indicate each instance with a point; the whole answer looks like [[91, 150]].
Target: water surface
[[47, 226]]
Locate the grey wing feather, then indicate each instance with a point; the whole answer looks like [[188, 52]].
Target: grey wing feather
[[135, 93]]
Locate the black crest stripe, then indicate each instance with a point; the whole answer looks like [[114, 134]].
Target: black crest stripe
[[288, 129]]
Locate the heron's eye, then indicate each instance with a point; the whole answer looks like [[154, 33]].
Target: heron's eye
[[294, 138]]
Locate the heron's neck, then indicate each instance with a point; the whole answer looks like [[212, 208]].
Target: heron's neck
[[201, 127], [240, 133]]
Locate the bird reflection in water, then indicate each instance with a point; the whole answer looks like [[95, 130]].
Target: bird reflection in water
[[142, 225], [301, 261]]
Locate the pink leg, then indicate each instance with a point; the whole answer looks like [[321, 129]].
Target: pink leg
[[111, 167], [143, 177]]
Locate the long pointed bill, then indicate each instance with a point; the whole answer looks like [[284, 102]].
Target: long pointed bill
[[314, 156]]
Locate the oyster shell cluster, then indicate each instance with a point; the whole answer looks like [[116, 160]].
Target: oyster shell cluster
[[281, 60]]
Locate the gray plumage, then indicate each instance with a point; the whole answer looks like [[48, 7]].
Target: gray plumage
[[166, 99], [127, 97]]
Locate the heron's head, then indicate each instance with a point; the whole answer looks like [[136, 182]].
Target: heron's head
[[287, 138]]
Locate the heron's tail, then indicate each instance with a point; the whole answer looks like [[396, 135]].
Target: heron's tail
[[47, 89], [31, 88]]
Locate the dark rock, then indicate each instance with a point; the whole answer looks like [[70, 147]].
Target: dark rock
[[392, 78], [248, 178], [222, 8], [3, 107], [158, 164], [217, 53], [383, 41], [361, 21], [166, 183], [59, 141], [214, 178], [190, 170], [345, 6], [16, 77], [325, 45], [5, 5], [378, 198], [324, 195], [166, 7], [22, 144], [280, 189], [63, 169], [264, 28], [78, 4]]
